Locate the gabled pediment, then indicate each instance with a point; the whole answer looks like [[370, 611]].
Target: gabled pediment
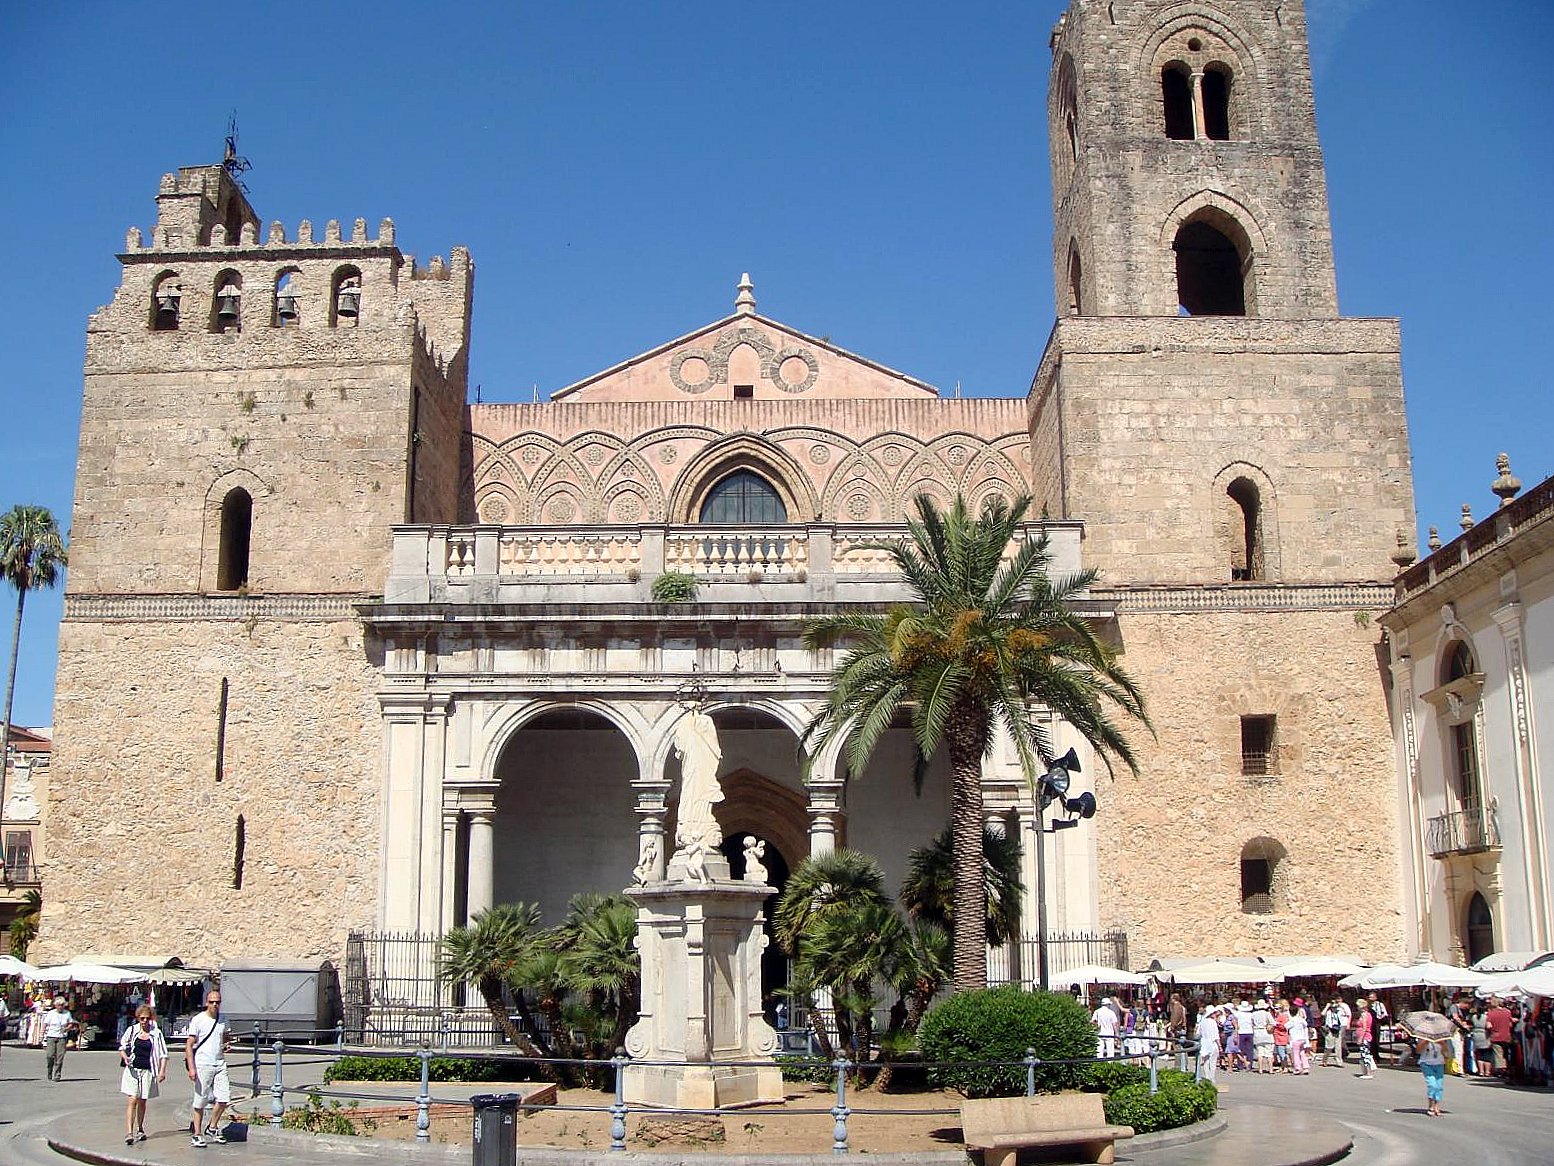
[[746, 355]]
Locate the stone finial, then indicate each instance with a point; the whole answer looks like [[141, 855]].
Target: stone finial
[[359, 231], [1507, 485], [386, 232], [332, 231], [248, 235], [1466, 521], [277, 232], [1435, 539], [1404, 555], [305, 231], [218, 235], [744, 302], [132, 239]]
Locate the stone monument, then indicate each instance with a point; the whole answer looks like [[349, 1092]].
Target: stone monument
[[702, 1035]]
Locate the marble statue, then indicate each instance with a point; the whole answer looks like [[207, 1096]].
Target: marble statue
[[755, 851], [647, 862], [697, 833], [21, 804]]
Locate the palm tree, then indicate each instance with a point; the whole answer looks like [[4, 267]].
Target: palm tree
[[24, 927], [488, 953], [929, 890], [32, 554], [602, 961], [986, 642]]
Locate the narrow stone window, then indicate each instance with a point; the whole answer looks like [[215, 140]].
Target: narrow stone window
[[1246, 523], [1216, 103], [1209, 279], [1463, 762], [239, 845], [1076, 298], [1176, 99], [237, 517], [1262, 876], [288, 300], [1259, 746], [227, 307], [221, 732], [345, 298], [166, 303]]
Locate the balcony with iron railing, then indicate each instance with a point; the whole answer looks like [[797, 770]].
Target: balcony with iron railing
[[789, 563], [1469, 831], [21, 875]]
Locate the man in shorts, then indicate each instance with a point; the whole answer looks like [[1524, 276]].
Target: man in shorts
[[205, 1056]]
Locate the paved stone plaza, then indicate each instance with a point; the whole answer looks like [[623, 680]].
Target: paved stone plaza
[[1271, 1119]]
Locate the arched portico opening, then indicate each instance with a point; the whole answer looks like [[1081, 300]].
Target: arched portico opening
[[886, 816], [565, 821]]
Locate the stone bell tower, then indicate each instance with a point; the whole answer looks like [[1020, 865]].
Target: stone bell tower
[[1238, 453]]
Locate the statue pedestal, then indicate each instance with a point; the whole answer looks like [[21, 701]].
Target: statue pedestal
[[701, 945]]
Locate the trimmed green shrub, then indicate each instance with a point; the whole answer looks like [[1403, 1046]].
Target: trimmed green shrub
[[1109, 1076], [1176, 1105], [674, 587], [409, 1069], [999, 1024], [810, 1069]]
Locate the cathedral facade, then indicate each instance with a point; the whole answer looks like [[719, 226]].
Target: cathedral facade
[[391, 658]]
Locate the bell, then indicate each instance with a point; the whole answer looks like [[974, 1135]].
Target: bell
[[286, 310], [349, 304], [167, 311], [227, 310]]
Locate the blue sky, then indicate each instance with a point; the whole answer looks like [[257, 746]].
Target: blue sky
[[880, 169]]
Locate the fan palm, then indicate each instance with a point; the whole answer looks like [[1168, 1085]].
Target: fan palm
[[487, 954], [32, 554], [929, 890], [24, 927], [601, 960], [986, 642]]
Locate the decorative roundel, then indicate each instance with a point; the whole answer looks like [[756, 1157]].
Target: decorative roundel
[[858, 507], [594, 454], [892, 455], [530, 455], [956, 454], [811, 365], [820, 454], [701, 366], [668, 454], [493, 510], [628, 508], [561, 510]]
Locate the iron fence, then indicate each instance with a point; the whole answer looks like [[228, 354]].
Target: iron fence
[[1469, 831], [1018, 962]]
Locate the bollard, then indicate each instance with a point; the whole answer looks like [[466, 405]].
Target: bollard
[[839, 1111], [254, 1087], [423, 1101], [1154, 1082], [277, 1088], [618, 1110], [339, 1036], [1030, 1072]]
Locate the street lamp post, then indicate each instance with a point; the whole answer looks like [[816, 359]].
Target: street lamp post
[[1052, 786]]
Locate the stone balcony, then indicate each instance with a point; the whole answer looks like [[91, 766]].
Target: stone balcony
[[799, 563]]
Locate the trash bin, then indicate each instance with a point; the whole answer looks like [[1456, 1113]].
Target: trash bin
[[496, 1129]]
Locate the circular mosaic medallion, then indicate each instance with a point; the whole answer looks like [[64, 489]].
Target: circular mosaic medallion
[[858, 507], [956, 455], [530, 455], [893, 455], [594, 454], [561, 510], [628, 508], [493, 510], [668, 454], [820, 454]]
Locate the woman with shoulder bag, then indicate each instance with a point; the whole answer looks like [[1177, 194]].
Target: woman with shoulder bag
[[143, 1053]]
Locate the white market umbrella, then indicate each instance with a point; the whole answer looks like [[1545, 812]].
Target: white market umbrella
[[11, 966], [1378, 974], [1507, 961], [1422, 975], [1224, 972], [1320, 965], [1537, 981], [1096, 974], [89, 974], [1500, 984]]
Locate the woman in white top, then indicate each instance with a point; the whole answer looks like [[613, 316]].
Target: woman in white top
[[143, 1053]]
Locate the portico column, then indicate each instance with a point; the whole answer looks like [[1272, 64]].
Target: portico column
[[482, 859], [825, 810], [450, 865], [652, 846], [1199, 126], [1529, 802]]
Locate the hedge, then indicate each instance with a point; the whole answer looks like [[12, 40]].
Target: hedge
[[999, 1024], [409, 1069], [1175, 1105]]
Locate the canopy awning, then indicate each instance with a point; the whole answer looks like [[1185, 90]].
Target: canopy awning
[[11, 966], [1426, 974], [1319, 965], [1508, 961], [1223, 972], [134, 963], [1096, 974], [82, 973]]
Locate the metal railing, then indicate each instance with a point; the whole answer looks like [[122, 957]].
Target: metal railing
[[1160, 1048], [1017, 962], [1470, 831], [22, 874]]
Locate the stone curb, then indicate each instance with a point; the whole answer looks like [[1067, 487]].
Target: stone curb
[[1181, 1136]]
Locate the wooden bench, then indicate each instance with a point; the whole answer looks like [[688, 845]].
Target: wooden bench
[[1000, 1126]]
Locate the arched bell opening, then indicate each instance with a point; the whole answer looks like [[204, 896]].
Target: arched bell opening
[[565, 819]]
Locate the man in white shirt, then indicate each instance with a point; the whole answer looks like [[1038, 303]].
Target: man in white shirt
[[1106, 1028], [205, 1056], [56, 1031], [1208, 1044]]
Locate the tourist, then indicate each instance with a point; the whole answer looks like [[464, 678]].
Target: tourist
[[1483, 1053], [1462, 1037], [143, 1053], [1208, 1044], [1300, 1043], [1176, 1025], [1335, 1024], [1498, 1023], [1281, 1037], [1106, 1028], [205, 1056], [1432, 1064], [1246, 1045], [1364, 1027], [1379, 1017], [57, 1023], [1262, 1036]]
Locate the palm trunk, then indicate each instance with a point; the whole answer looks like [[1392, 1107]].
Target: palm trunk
[[491, 991], [967, 735], [10, 692]]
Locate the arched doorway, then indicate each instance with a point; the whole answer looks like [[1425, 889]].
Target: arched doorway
[[1478, 930]]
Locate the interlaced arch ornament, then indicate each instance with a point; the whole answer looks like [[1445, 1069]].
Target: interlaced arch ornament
[[716, 359], [742, 451]]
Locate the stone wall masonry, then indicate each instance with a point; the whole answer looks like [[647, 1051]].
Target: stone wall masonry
[[1154, 412], [1170, 841], [140, 835]]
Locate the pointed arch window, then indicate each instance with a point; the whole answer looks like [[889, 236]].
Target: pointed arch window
[[237, 516], [1216, 103], [1176, 101], [744, 497], [1478, 929], [1210, 271]]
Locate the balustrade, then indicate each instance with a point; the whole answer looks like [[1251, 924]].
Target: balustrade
[[1470, 831]]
